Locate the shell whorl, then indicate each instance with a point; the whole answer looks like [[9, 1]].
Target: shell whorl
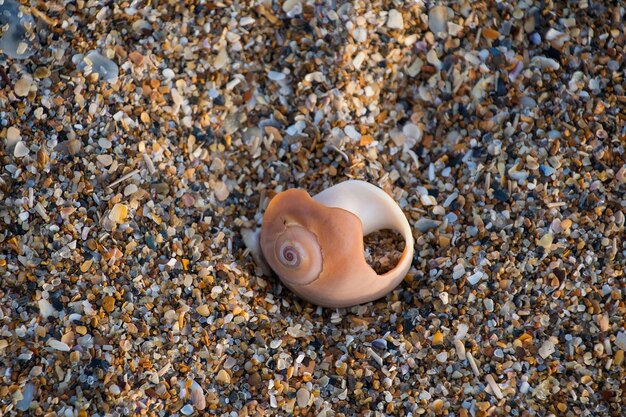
[[296, 255]]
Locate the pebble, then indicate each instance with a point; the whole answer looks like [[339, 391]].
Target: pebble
[[352, 133], [547, 349], [108, 304], [438, 339], [302, 397], [46, 309], [221, 191], [475, 278], [105, 160], [425, 224], [620, 340], [458, 271], [546, 241], [187, 410], [28, 394], [22, 86], [395, 20], [460, 349], [380, 344], [58, 345], [118, 213], [204, 310], [21, 150], [438, 21], [13, 136], [106, 69], [223, 377], [495, 388]]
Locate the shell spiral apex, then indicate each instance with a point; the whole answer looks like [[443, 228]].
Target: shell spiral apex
[[315, 244]]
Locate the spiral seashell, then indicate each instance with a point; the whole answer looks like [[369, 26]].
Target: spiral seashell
[[315, 244]]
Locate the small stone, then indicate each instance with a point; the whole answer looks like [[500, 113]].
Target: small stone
[[21, 150], [546, 241], [28, 394], [108, 304], [168, 74], [438, 20], [22, 86], [13, 136], [292, 7], [495, 388], [114, 389], [543, 62], [475, 278], [566, 224], [187, 410], [302, 397], [46, 309], [358, 60], [619, 358], [136, 58], [442, 357], [395, 20], [424, 224], [380, 344], [223, 377], [352, 133], [415, 68], [94, 62], [58, 345], [437, 339], [546, 349], [438, 406], [620, 340], [460, 349], [105, 160], [221, 59], [204, 310], [118, 213], [604, 323], [444, 297], [197, 397], [458, 271], [221, 191], [491, 33]]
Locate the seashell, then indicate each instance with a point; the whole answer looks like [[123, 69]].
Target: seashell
[[315, 244]]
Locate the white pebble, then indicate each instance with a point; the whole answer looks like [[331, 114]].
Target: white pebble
[[546, 349], [461, 331], [168, 74], [358, 60], [394, 19], [45, 308], [458, 271], [20, 150], [352, 133], [58, 345], [474, 278]]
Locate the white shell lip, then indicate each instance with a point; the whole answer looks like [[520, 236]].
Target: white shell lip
[[374, 207]]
